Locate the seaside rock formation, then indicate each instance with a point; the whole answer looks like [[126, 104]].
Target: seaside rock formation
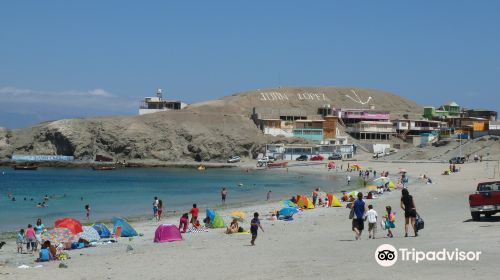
[[208, 131]]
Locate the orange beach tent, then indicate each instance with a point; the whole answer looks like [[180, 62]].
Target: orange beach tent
[[333, 201], [304, 202]]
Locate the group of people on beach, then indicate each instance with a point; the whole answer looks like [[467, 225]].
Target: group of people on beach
[[360, 213], [31, 237]]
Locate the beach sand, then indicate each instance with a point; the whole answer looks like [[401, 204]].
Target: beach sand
[[318, 244]]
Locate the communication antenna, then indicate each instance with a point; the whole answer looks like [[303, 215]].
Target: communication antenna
[[358, 99]]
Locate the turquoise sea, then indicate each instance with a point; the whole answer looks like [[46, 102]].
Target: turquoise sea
[[129, 192]]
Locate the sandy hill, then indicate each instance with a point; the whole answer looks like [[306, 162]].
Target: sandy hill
[[208, 131]]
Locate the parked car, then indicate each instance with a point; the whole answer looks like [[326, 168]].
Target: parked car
[[317, 157], [264, 160], [457, 160], [302, 158], [234, 159], [335, 157], [486, 200]]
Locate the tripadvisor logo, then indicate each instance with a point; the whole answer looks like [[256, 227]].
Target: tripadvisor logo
[[387, 255]]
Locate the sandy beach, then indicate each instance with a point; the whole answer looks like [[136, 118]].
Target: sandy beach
[[318, 244]]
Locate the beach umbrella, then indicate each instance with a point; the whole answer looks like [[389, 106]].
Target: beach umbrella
[[58, 236], [90, 234], [239, 216], [288, 211], [382, 179], [70, 223]]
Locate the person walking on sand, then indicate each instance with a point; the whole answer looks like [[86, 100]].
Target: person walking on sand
[[348, 180], [359, 207], [254, 227], [223, 195], [389, 220], [87, 212], [408, 205], [159, 211], [268, 195], [371, 216], [155, 207]]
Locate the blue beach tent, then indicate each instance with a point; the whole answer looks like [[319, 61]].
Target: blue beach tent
[[288, 211], [127, 229], [211, 214], [103, 230]]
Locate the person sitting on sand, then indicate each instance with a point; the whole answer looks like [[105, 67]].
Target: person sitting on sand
[[233, 227], [45, 255], [52, 249], [183, 222], [197, 224], [208, 222]]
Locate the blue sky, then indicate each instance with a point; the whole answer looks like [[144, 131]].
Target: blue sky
[[63, 59]]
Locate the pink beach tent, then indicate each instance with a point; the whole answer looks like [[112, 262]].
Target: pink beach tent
[[167, 233]]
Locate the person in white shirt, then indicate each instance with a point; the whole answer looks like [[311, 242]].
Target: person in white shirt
[[371, 216], [348, 179]]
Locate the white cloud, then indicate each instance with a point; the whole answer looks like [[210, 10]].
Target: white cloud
[[69, 103], [99, 92]]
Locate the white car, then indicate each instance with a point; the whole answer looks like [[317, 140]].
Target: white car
[[234, 159]]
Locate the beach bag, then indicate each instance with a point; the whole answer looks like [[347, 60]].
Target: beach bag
[[419, 223]]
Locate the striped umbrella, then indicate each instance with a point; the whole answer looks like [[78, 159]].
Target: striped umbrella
[[58, 236]]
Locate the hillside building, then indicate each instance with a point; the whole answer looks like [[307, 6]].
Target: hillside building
[[158, 104]]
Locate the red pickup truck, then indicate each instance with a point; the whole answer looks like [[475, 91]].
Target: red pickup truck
[[486, 200]]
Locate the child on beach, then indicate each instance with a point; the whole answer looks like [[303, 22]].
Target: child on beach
[[194, 213], [389, 219], [254, 227], [183, 223], [371, 216], [155, 207], [20, 241]]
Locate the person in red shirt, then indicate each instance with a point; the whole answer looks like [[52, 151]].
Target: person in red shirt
[[194, 214]]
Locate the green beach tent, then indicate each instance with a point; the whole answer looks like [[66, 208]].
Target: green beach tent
[[218, 222]]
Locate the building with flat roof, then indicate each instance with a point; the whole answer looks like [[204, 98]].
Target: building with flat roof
[[158, 104]]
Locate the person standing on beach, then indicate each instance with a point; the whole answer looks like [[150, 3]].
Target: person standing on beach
[[194, 214], [359, 212], [223, 195], [348, 180], [30, 238], [159, 210], [87, 212], [315, 196], [408, 205], [155, 207], [268, 195], [254, 227], [39, 227]]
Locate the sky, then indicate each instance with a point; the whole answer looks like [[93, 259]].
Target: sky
[[65, 59]]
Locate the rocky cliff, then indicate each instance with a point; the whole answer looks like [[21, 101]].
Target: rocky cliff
[[208, 131]]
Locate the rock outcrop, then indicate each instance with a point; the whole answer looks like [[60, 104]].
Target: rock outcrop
[[209, 131]]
